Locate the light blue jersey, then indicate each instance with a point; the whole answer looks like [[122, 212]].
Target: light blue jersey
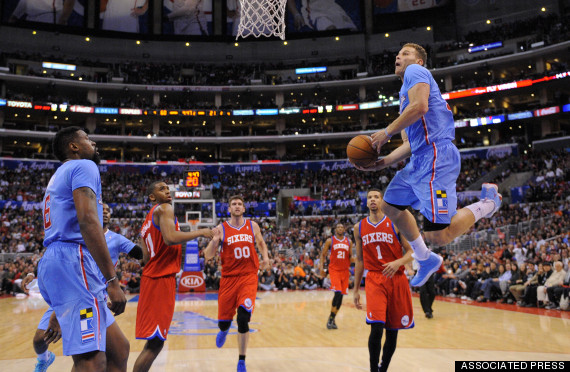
[[117, 244], [437, 124], [427, 182], [68, 276], [60, 216]]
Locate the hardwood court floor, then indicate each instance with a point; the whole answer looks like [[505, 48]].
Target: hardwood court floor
[[290, 335]]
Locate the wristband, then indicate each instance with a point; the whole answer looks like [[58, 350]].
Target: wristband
[[110, 280], [386, 133]]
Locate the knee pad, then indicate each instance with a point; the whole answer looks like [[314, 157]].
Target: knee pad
[[337, 299], [243, 317], [224, 325]]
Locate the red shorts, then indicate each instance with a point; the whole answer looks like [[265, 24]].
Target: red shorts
[[389, 301], [236, 291], [156, 307], [339, 281]]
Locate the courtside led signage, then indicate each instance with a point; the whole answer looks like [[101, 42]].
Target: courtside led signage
[[266, 112], [59, 66], [106, 110], [480, 48], [520, 115], [242, 112], [547, 111], [310, 70]]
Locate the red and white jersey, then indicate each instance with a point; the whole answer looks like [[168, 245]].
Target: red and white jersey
[[164, 259], [340, 253], [380, 244], [238, 249]]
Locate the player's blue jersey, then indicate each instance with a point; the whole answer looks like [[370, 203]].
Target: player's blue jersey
[[60, 216], [116, 243], [437, 124]]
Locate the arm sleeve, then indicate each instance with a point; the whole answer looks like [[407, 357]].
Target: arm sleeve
[[85, 174]]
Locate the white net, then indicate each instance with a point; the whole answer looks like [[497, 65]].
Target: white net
[[262, 18]]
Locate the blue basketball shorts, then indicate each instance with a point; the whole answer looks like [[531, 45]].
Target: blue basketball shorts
[[427, 183], [70, 282], [44, 322]]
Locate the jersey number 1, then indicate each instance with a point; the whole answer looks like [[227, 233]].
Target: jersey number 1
[[379, 252]]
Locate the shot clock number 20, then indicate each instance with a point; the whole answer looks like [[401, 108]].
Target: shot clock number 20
[[193, 179]]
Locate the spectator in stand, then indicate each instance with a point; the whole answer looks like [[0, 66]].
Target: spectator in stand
[[530, 295], [556, 279], [266, 280]]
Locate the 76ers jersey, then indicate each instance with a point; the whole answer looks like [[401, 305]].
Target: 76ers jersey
[[164, 259], [238, 250], [380, 244], [340, 254]]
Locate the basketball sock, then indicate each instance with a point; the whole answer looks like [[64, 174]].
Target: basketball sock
[[481, 208], [420, 249], [242, 357], [44, 356]]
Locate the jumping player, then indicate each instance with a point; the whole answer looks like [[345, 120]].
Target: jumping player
[[161, 239], [338, 268], [388, 297], [49, 331], [240, 264], [428, 181], [69, 274]]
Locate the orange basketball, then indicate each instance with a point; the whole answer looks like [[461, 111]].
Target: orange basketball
[[360, 151]]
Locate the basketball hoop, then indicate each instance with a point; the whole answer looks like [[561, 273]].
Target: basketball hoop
[[262, 18], [193, 224]]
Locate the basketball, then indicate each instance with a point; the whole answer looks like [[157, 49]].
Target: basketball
[[360, 151]]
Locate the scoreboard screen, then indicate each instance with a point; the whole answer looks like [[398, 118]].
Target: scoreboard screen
[[193, 179]]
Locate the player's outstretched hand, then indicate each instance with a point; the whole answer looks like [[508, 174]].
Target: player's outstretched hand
[[357, 303], [53, 332], [378, 165], [206, 233], [27, 280], [117, 298], [266, 264]]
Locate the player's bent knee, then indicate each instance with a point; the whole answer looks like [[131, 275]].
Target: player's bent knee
[[243, 317], [224, 325], [155, 345]]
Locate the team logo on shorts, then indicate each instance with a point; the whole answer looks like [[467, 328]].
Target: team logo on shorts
[[441, 196], [405, 320], [248, 304], [87, 328]]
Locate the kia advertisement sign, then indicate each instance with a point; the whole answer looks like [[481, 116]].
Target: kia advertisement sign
[[192, 281]]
